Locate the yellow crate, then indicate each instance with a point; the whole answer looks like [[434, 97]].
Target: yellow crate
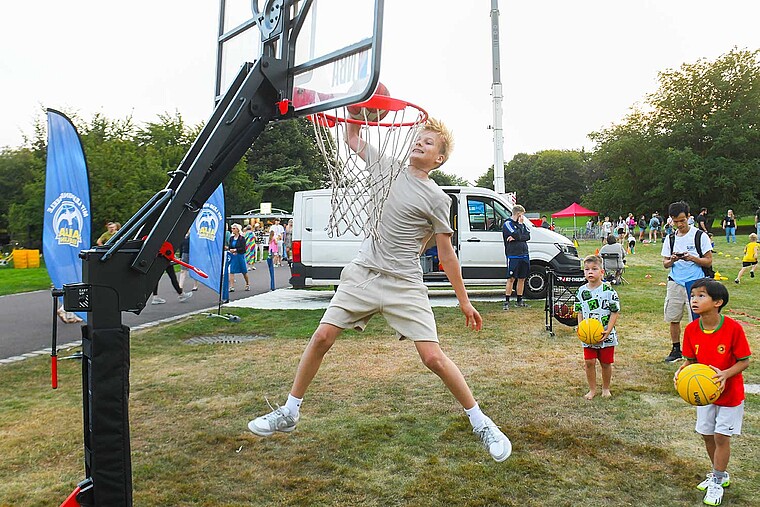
[[33, 258], [20, 259]]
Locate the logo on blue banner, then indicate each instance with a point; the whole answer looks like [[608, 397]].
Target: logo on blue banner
[[207, 242], [70, 216], [207, 222]]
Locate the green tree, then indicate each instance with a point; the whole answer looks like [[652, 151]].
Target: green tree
[[286, 147], [546, 180], [446, 179], [18, 167], [697, 140]]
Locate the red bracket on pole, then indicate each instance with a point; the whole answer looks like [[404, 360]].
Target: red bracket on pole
[[283, 106], [71, 501], [167, 251]]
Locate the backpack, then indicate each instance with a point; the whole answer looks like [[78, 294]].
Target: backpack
[[708, 271]]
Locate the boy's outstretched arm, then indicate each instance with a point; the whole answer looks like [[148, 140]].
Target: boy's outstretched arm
[[354, 140], [448, 258]]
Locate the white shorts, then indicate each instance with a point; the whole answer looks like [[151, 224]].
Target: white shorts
[[363, 293], [712, 419], [676, 300]]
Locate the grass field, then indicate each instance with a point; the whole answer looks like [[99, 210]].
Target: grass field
[[23, 280], [378, 429]]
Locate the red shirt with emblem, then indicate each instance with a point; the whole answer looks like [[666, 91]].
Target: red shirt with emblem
[[722, 348]]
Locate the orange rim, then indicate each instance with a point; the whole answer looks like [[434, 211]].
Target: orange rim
[[382, 102]]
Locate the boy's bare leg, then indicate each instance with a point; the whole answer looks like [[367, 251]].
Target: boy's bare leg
[[284, 419], [606, 379], [311, 359], [439, 363], [590, 366], [710, 447], [722, 452]]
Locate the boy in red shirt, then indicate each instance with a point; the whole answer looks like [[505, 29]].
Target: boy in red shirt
[[719, 342]]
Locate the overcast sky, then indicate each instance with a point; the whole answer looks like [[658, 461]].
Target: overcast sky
[[567, 67]]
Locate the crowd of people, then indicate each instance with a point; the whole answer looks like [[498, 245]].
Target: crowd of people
[[246, 246], [656, 227]]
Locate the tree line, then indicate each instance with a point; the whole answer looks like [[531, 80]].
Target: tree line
[[696, 138]]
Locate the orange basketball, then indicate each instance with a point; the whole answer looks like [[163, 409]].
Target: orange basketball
[[696, 385], [368, 114]]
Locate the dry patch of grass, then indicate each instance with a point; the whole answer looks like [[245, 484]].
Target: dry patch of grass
[[377, 427]]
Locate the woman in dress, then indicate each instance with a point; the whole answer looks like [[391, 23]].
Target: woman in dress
[[237, 247]]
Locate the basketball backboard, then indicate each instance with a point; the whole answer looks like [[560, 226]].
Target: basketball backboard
[[332, 47]]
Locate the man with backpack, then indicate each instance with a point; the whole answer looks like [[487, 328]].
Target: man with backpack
[[654, 227], [687, 253]]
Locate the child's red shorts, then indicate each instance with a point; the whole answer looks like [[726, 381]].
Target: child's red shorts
[[605, 355]]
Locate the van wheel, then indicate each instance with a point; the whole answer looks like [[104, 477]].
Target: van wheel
[[536, 283]]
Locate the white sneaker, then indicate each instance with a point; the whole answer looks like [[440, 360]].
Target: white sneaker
[[276, 420], [714, 495], [702, 486], [184, 296], [157, 301], [497, 443]]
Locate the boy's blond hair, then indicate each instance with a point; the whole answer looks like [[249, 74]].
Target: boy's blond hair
[[444, 134], [593, 259], [753, 237], [517, 208]]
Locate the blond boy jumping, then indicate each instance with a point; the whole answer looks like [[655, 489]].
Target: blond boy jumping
[[386, 278]]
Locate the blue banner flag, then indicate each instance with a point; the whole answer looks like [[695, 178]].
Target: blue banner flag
[[67, 224], [207, 240]]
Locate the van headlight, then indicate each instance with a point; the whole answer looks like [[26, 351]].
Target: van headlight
[[568, 250]]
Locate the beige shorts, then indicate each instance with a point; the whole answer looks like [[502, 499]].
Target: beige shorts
[[363, 293], [676, 301]]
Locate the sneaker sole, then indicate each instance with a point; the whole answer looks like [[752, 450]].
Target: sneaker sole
[[725, 485], [256, 431]]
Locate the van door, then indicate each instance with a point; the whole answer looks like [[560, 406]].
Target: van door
[[307, 241], [481, 244]]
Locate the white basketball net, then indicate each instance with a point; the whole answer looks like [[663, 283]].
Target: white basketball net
[[359, 188]]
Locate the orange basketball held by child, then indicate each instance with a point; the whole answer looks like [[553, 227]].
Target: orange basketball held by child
[[590, 331], [365, 111], [696, 385]]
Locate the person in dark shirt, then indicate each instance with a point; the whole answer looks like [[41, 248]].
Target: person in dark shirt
[[701, 221], [516, 236]]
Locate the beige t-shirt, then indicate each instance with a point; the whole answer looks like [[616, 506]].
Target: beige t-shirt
[[414, 211]]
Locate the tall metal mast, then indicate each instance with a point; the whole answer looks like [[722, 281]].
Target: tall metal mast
[[498, 136]]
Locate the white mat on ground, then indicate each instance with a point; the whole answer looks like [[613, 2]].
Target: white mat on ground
[[298, 299]]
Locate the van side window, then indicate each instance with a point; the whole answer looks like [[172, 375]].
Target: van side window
[[485, 214]]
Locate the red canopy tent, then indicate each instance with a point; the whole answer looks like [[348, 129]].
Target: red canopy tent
[[575, 210]]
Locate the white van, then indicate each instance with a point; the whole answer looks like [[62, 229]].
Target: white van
[[477, 216]]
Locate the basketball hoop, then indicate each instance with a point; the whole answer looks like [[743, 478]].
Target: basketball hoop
[[360, 188]]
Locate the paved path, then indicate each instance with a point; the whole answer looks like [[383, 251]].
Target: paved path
[[26, 318]]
